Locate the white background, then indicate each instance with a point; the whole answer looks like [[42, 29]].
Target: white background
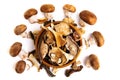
[[108, 14]]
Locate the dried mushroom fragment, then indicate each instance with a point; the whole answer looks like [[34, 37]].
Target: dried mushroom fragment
[[19, 29], [30, 15], [94, 62], [15, 49], [59, 39], [63, 28], [43, 49], [99, 38], [20, 66], [72, 46], [88, 17], [57, 56], [68, 20], [42, 20]]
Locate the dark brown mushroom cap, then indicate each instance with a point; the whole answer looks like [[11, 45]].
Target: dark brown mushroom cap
[[69, 8], [15, 49], [47, 8], [99, 38], [19, 29], [30, 12], [88, 17], [20, 66]]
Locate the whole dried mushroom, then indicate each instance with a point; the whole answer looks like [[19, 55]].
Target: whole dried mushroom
[[88, 17], [94, 62], [99, 38], [20, 66], [19, 29], [15, 49]]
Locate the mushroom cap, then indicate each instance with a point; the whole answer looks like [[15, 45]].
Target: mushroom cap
[[88, 17], [30, 12], [47, 8], [69, 8], [15, 49], [19, 29], [99, 38]]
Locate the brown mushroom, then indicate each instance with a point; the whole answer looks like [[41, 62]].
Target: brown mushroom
[[19, 29], [30, 15], [68, 8], [47, 9], [15, 49], [88, 17], [99, 38], [20, 66]]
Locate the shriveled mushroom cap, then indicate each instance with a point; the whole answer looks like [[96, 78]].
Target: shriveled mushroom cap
[[30, 12], [69, 8], [15, 49], [19, 29], [47, 8], [99, 38]]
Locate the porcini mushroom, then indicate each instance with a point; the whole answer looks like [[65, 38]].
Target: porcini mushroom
[[30, 15], [68, 8], [47, 9]]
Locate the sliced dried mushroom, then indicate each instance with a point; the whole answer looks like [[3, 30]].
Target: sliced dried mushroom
[[15, 49], [30, 15], [99, 38], [63, 28], [68, 20], [68, 8], [44, 49], [20, 66], [57, 56], [94, 62], [42, 20], [72, 46], [19, 29], [88, 17]]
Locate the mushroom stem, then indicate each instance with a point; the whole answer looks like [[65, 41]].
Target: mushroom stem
[[33, 19], [48, 16], [23, 54], [67, 13]]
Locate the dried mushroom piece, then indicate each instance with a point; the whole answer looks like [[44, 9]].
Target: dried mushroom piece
[[99, 38], [63, 28], [94, 62], [68, 20], [15, 49], [30, 15], [47, 9], [19, 29], [88, 17], [20, 66], [72, 46]]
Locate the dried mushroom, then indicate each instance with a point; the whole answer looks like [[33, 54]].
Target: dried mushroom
[[88, 17], [72, 46], [99, 38], [30, 15], [20, 66], [15, 49]]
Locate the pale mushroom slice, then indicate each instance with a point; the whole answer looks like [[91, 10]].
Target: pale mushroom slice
[[47, 9], [68, 8], [59, 39], [59, 56], [43, 49], [72, 46], [30, 15], [63, 28]]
